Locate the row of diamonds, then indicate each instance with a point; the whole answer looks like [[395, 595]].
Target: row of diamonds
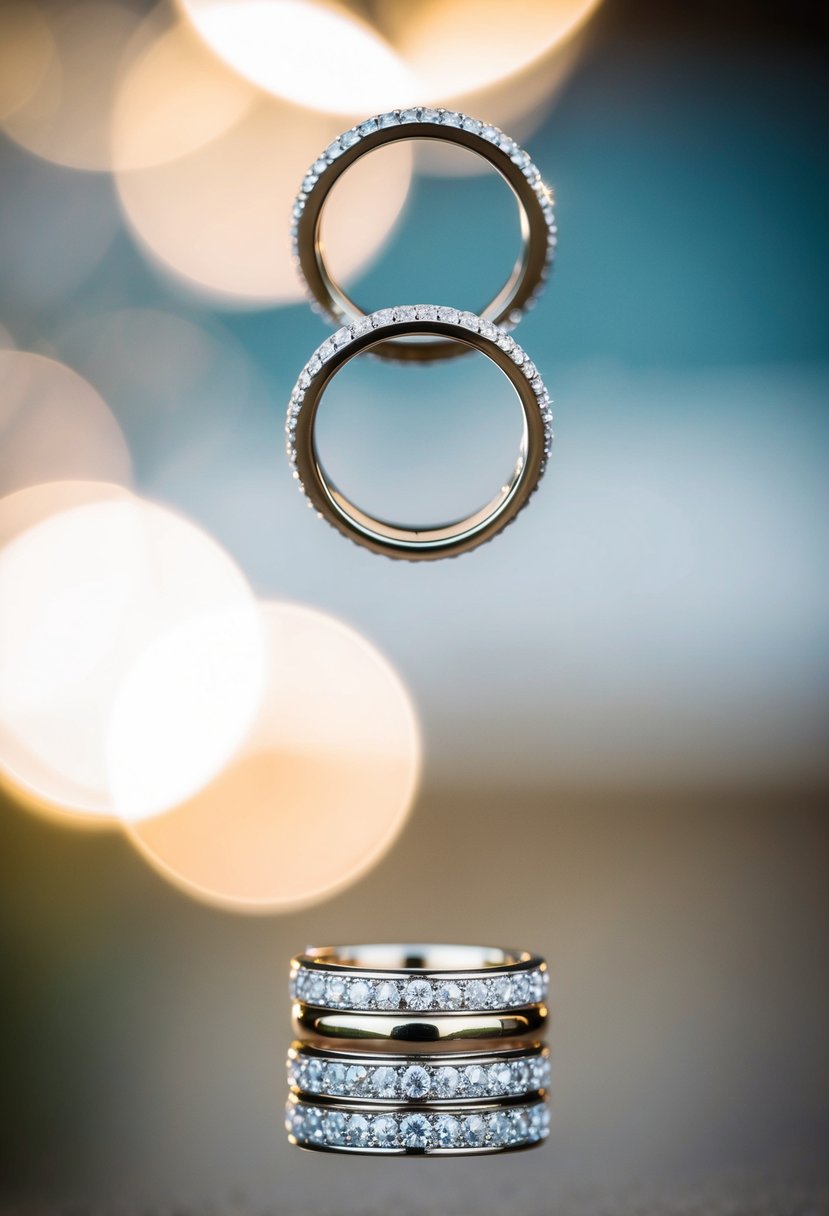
[[414, 312], [419, 1082], [419, 1129], [333, 991], [436, 117]]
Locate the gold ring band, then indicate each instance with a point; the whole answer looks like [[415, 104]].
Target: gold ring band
[[394, 540], [535, 204], [311, 1025]]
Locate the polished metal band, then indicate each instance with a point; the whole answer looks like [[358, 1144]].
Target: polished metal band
[[535, 204], [369, 333], [311, 1024], [330, 1126], [428, 1080]]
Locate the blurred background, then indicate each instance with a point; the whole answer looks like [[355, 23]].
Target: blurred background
[[226, 733]]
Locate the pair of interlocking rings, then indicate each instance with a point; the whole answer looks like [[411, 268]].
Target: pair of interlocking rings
[[438, 332], [418, 1050]]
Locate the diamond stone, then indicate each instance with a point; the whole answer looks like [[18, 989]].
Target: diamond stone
[[499, 1127], [521, 990], [409, 115], [360, 994], [384, 1082], [350, 138], [384, 1131], [416, 1082], [474, 1080], [312, 1128], [502, 992], [406, 313], [368, 127], [334, 1127], [361, 326], [416, 1131], [312, 1076], [356, 1078], [315, 989], [334, 150], [447, 1080], [521, 1076], [427, 312], [449, 995], [384, 316], [418, 994], [389, 120], [335, 991], [335, 1078], [387, 995], [539, 1121], [476, 994], [499, 1077], [447, 1131], [474, 1130], [359, 1132], [448, 314], [429, 115], [451, 118]]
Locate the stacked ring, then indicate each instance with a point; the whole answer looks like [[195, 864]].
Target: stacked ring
[[424, 1079], [382, 1065], [364, 1128]]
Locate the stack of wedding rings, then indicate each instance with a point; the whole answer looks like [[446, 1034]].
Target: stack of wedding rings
[[418, 1050]]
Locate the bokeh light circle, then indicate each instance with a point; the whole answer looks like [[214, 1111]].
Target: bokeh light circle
[[65, 114], [92, 579], [26, 51], [174, 97], [313, 53], [459, 47], [321, 787], [218, 218], [55, 426]]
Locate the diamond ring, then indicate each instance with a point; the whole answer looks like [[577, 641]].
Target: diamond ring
[[469, 1077], [535, 203], [366, 1128], [369, 333], [419, 979]]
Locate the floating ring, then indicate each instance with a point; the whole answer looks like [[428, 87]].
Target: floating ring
[[368, 333], [535, 204]]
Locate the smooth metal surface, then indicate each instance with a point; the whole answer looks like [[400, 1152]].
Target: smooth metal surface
[[526, 277], [388, 960], [311, 1024], [413, 543]]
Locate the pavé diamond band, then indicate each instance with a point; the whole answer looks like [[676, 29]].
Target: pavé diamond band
[[372, 1129], [420, 978], [368, 333], [469, 1077], [535, 203]]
